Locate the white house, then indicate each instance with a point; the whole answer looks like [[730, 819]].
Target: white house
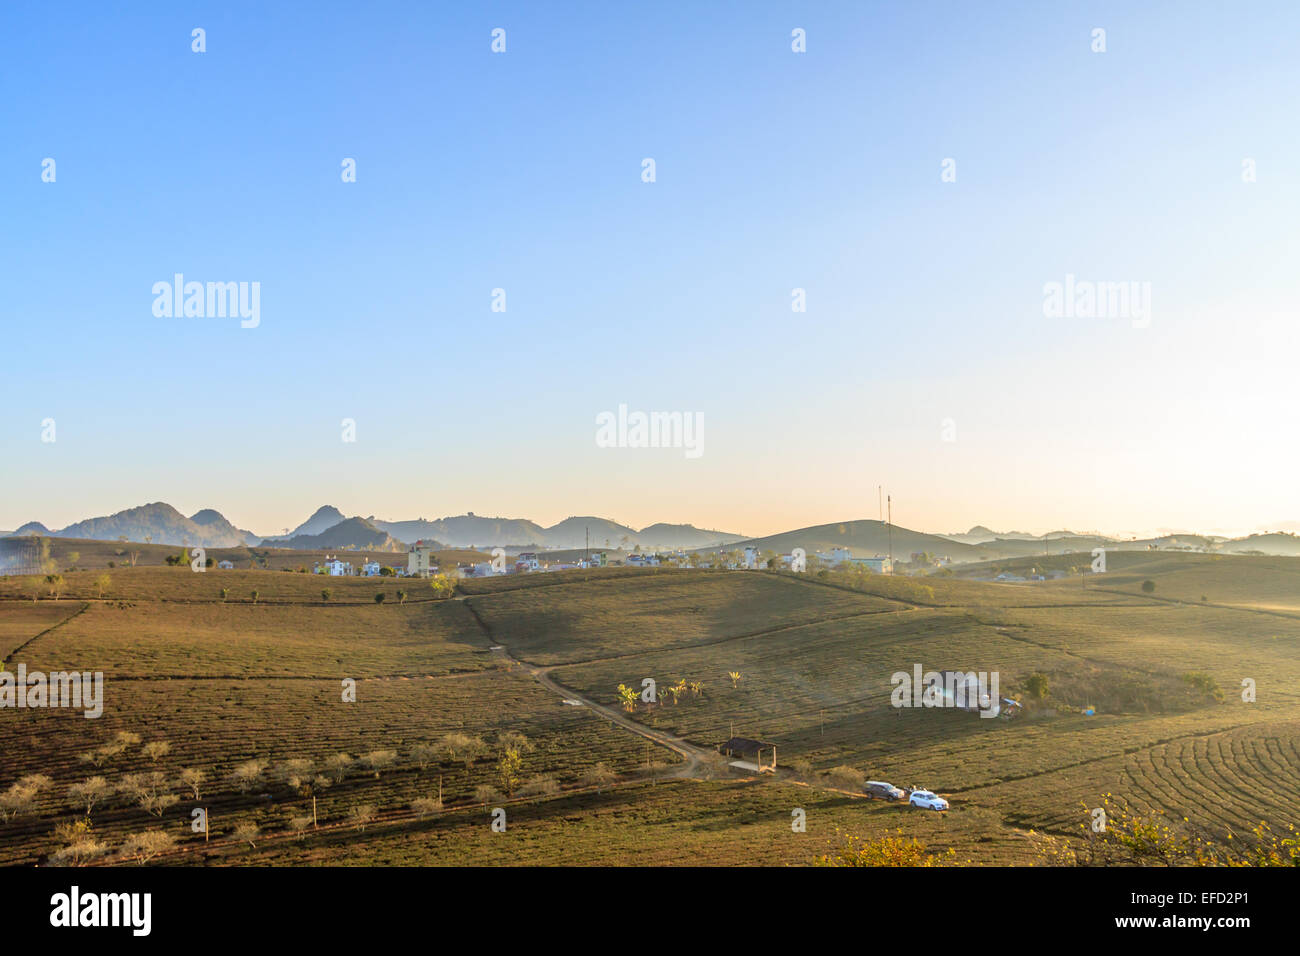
[[226, 565], [835, 556], [370, 569], [751, 557], [336, 568]]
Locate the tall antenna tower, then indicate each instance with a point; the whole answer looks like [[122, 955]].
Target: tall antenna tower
[[890, 527]]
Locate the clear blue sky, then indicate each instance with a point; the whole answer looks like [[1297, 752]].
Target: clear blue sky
[[775, 170]]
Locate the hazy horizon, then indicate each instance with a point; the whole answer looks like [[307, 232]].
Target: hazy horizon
[[271, 528]]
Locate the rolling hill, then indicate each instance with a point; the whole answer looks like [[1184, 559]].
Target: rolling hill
[[351, 533], [683, 536], [863, 538]]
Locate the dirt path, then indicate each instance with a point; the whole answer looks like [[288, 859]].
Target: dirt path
[[692, 755]]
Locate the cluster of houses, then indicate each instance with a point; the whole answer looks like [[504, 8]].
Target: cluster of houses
[[336, 567], [421, 562]]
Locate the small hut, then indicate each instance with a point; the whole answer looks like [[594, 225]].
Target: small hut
[[750, 754]]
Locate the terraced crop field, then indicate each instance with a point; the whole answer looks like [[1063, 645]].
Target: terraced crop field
[[443, 686]]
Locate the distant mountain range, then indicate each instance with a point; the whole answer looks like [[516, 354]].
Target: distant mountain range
[[158, 523], [329, 529], [471, 530]]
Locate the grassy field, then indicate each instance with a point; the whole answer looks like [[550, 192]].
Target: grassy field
[[226, 682]]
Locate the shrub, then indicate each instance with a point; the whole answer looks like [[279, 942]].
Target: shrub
[[846, 778], [362, 814], [423, 806], [1036, 686], [885, 851], [544, 784], [1148, 586]]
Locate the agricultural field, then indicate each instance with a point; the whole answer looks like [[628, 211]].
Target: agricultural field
[[336, 729]]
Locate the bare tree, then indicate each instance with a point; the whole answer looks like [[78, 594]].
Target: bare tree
[[155, 749], [88, 793], [192, 779], [143, 847], [247, 775], [248, 832], [463, 747], [297, 772], [424, 755], [337, 766], [379, 760], [362, 814], [146, 790]]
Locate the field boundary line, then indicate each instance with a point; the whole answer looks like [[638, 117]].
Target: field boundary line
[[25, 644]]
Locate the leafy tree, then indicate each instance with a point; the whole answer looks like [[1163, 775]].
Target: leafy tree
[[79, 844], [1036, 686], [102, 583], [508, 768]]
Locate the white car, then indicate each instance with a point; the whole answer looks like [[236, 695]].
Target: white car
[[927, 800]]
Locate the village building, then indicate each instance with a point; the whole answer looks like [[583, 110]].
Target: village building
[[419, 561], [877, 564], [749, 754]]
